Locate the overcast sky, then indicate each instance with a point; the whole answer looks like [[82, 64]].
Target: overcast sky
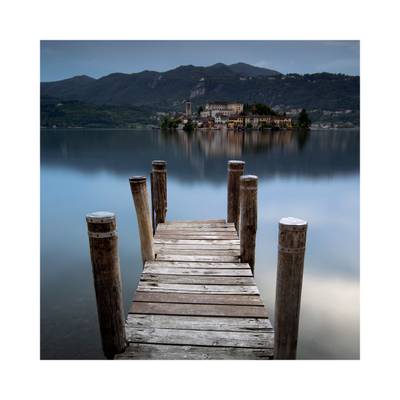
[[64, 59]]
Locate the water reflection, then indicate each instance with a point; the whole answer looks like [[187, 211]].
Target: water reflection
[[314, 176], [199, 155]]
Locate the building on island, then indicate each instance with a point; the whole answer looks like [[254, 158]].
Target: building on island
[[271, 121], [228, 115], [223, 108]]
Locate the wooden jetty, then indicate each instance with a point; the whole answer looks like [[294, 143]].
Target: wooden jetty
[[197, 297]]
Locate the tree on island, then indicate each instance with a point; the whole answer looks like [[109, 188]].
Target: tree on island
[[303, 121], [170, 123], [189, 127], [263, 109]]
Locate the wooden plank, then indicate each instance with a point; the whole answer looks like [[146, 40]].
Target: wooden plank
[[210, 310], [209, 289], [195, 228], [221, 231], [215, 246], [193, 271], [201, 338], [197, 265], [196, 241], [185, 236], [203, 236], [211, 252], [200, 235], [135, 321], [199, 298], [198, 280], [142, 351], [197, 222], [195, 258]]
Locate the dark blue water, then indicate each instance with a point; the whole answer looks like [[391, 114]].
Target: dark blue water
[[314, 177]]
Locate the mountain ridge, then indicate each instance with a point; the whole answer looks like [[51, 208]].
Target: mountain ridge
[[323, 94]]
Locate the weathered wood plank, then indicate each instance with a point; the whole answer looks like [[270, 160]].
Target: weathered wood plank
[[199, 298], [195, 228], [197, 222], [210, 289], [198, 309], [201, 338], [215, 246], [196, 241], [199, 279], [197, 265], [191, 236], [196, 258], [198, 323], [193, 271], [229, 227], [141, 351], [195, 232], [186, 236], [212, 252]]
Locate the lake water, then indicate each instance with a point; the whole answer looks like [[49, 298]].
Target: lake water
[[314, 177]]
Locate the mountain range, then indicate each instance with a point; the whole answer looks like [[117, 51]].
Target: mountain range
[[327, 97]]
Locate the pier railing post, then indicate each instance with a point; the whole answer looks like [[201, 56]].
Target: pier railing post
[[289, 280], [158, 192], [235, 171], [140, 198], [103, 243], [248, 219]]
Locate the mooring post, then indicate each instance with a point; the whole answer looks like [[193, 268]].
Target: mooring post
[[140, 198], [103, 243], [289, 279], [248, 219], [158, 192], [235, 171]]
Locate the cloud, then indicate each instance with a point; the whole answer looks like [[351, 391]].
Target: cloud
[[264, 64]]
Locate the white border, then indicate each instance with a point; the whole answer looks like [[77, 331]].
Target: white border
[[24, 23]]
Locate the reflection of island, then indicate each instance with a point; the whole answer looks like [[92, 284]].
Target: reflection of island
[[199, 155], [230, 143]]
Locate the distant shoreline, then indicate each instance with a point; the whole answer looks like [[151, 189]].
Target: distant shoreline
[[355, 128]]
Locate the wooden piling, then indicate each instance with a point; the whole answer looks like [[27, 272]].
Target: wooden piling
[[248, 219], [292, 242], [140, 198], [103, 243], [235, 171], [158, 192]]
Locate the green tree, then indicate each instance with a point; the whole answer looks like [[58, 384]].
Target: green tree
[[189, 126], [169, 123], [263, 109], [303, 121]]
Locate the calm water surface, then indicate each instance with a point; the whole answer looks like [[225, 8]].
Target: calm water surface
[[314, 177]]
